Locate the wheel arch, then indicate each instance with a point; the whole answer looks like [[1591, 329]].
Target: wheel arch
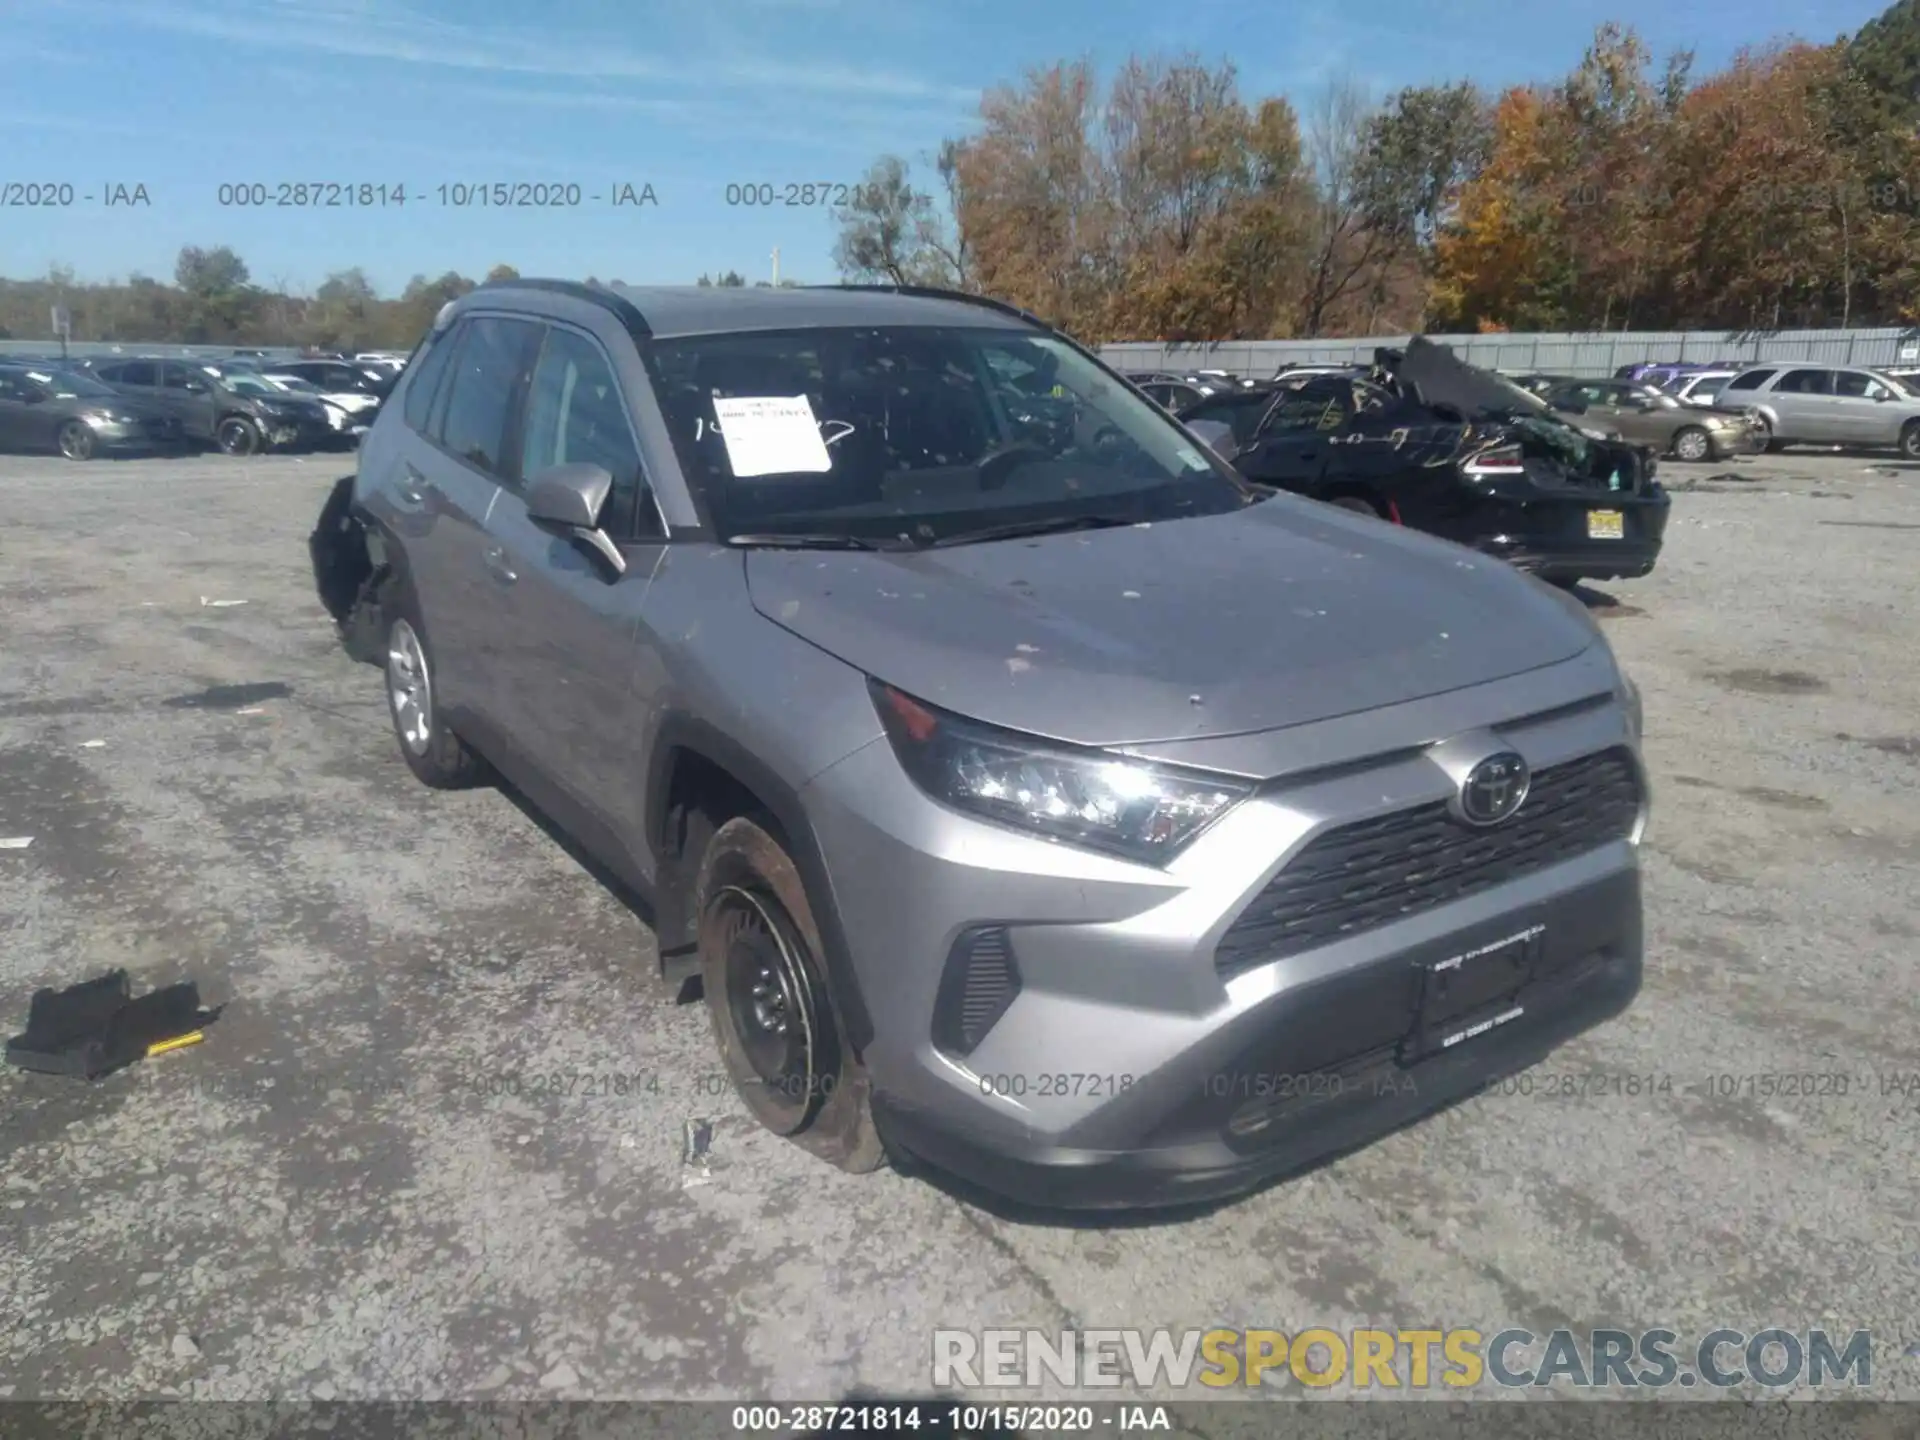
[[697, 779]]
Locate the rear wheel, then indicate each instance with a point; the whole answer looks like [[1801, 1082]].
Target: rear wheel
[[76, 440], [436, 755], [773, 1015], [1910, 440], [1692, 443], [238, 435]]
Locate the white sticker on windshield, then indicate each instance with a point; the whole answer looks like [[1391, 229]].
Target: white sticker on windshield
[[1191, 458], [771, 435]]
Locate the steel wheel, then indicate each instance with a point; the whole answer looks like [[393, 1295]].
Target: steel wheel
[[409, 688], [770, 1005], [1910, 441], [76, 441], [1692, 443]]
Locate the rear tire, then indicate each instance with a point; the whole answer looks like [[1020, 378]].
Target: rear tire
[[774, 1018], [1359, 504], [1910, 440], [438, 757]]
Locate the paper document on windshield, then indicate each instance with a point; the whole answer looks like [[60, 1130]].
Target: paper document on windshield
[[771, 435]]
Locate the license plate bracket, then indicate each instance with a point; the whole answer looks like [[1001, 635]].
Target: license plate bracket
[[1465, 996], [1606, 525]]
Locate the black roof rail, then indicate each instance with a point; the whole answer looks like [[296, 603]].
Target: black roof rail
[[624, 309], [937, 292]]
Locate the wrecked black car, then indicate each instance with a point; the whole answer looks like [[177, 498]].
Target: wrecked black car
[[1425, 440]]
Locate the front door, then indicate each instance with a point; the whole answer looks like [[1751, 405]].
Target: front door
[[561, 642]]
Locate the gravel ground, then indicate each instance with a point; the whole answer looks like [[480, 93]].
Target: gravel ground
[[329, 1198]]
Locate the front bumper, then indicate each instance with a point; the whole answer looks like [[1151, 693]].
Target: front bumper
[[1123, 1067], [298, 434]]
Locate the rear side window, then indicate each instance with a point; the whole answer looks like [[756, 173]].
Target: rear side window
[[1752, 380], [139, 372], [1805, 382], [425, 380], [483, 381]]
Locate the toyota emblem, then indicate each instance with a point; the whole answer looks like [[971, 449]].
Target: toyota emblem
[[1494, 789]]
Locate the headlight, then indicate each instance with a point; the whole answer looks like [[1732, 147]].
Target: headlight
[[1088, 798]]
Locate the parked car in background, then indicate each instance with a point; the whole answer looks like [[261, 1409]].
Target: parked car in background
[[1171, 394], [1540, 384], [1833, 405], [222, 405], [939, 750], [1642, 413], [1700, 388], [1428, 441], [47, 408], [350, 412], [341, 377]]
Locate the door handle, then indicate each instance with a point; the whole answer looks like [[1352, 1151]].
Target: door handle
[[413, 485], [498, 567]]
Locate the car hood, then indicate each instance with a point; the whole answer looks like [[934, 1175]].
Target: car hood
[[1280, 614]]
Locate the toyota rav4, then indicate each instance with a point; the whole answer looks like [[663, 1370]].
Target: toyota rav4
[[1033, 797]]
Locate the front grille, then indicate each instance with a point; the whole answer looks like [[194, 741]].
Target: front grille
[[1371, 873]]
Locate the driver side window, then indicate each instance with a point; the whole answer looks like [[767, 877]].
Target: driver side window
[[575, 414]]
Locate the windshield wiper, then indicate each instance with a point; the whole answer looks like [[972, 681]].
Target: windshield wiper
[[812, 540], [1052, 525]]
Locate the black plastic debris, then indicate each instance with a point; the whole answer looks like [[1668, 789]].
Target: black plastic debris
[[96, 1027]]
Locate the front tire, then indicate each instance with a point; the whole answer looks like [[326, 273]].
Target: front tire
[[1693, 444], [438, 757], [76, 440], [238, 435], [773, 1015], [1358, 504]]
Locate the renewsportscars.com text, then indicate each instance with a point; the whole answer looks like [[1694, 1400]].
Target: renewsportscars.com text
[[1381, 1359]]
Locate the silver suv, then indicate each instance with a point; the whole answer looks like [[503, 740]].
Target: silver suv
[[1031, 796], [1828, 405]]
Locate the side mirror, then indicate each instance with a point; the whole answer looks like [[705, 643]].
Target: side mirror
[[571, 498]]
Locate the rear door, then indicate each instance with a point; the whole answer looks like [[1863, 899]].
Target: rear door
[[561, 642], [447, 477], [1292, 447], [1803, 399]]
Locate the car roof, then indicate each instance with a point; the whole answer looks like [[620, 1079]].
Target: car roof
[[667, 311]]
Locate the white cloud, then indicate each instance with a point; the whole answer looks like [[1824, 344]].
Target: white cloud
[[355, 28]]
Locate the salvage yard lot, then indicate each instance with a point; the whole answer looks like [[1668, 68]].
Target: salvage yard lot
[[340, 1192]]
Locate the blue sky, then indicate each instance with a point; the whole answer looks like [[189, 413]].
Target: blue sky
[[183, 95]]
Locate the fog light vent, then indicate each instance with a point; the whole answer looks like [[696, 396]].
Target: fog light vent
[[980, 982]]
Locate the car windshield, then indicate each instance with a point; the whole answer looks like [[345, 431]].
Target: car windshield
[[1902, 386], [919, 434], [71, 385]]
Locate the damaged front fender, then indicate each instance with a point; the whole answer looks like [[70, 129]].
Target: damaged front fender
[[350, 574]]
